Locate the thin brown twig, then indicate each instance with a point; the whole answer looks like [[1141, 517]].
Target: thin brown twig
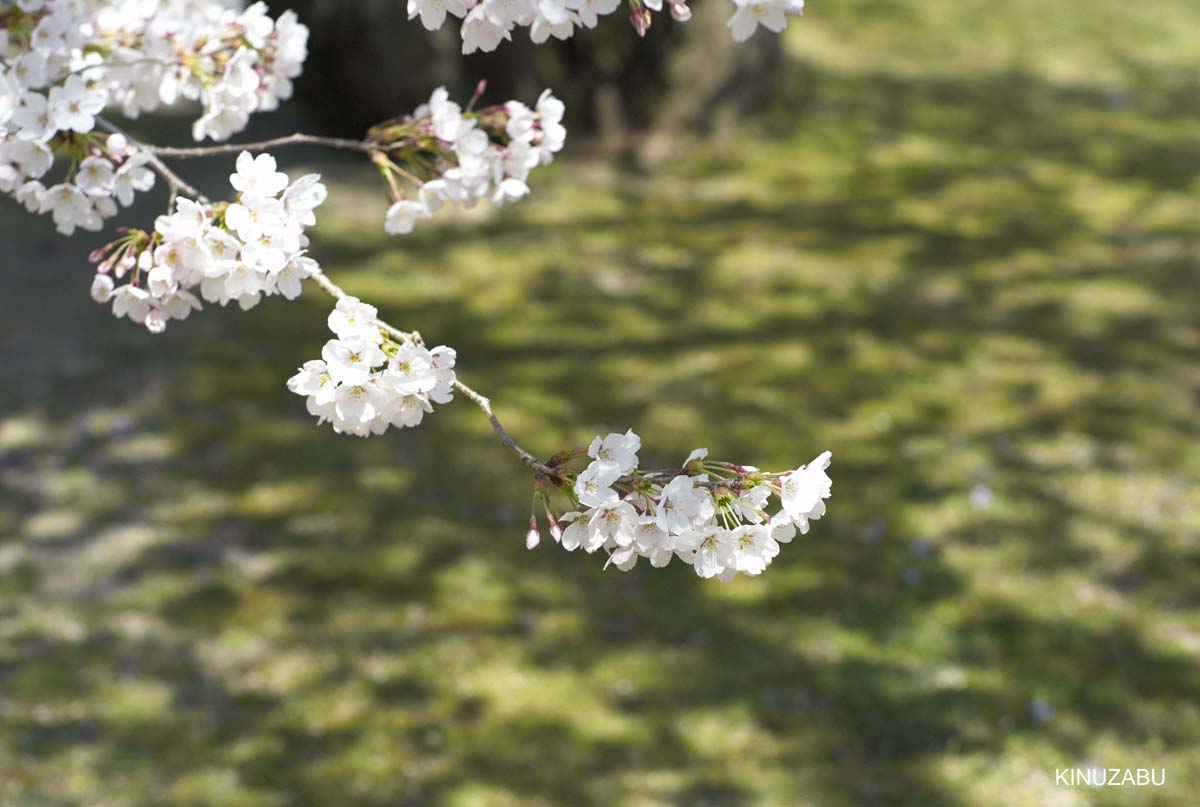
[[486, 405], [118, 65], [363, 146], [176, 182], [336, 291]]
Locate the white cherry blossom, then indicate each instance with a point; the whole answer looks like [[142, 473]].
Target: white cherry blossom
[[593, 487], [680, 505], [804, 492], [257, 177], [611, 523], [770, 14], [352, 361], [353, 319], [619, 449], [74, 106]]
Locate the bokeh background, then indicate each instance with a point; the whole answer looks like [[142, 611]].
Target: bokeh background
[[955, 242]]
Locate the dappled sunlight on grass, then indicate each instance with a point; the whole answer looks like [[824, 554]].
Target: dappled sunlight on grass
[[966, 263]]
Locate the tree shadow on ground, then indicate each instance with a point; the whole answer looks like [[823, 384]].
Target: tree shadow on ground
[[979, 292]]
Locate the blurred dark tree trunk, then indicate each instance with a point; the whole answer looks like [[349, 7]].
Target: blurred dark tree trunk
[[368, 62]]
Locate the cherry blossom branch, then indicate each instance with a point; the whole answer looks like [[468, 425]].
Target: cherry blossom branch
[[93, 67], [485, 404], [713, 515], [336, 291], [364, 146], [482, 401], [176, 182]]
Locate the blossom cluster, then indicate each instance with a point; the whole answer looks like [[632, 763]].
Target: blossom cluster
[[487, 23], [62, 62], [714, 516], [365, 382], [107, 171], [141, 54], [228, 252], [466, 156]]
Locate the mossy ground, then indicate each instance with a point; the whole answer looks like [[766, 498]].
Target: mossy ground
[[961, 253]]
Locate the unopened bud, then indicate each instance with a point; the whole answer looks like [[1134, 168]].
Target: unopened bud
[[117, 144], [681, 12], [533, 537], [639, 17], [125, 265], [555, 531]]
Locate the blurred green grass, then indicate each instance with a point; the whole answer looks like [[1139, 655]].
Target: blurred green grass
[[960, 253]]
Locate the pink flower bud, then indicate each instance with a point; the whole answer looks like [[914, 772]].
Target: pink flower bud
[[555, 531], [639, 18], [533, 537], [125, 265], [681, 12]]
